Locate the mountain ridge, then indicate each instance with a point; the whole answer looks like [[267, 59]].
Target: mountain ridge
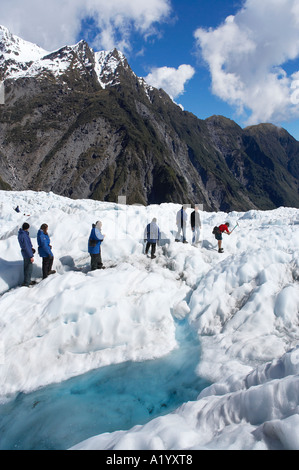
[[82, 124]]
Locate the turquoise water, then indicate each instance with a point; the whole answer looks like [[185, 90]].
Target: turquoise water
[[112, 398]]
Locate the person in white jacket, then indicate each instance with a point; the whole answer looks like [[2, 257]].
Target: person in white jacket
[[181, 221]]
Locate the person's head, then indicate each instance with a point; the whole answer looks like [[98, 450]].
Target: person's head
[[44, 228], [227, 224], [154, 220], [25, 226], [98, 224]]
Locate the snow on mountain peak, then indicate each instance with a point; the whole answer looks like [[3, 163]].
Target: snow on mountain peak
[[20, 58], [107, 63], [14, 48]]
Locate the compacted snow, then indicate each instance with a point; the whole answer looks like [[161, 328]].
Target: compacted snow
[[241, 307]]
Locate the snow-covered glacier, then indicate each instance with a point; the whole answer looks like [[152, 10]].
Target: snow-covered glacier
[[201, 346]]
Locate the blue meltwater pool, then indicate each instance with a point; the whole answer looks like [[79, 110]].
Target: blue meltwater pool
[[116, 397]]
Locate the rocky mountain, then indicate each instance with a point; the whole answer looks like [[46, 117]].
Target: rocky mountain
[[82, 124]]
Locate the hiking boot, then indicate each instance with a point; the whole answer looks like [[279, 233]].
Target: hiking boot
[[220, 250], [153, 256], [52, 272]]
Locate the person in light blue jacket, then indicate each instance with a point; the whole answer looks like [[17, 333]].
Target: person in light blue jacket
[[45, 250], [94, 246], [152, 237]]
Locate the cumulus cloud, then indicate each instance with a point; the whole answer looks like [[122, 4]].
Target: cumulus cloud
[[58, 22], [170, 79], [247, 57]]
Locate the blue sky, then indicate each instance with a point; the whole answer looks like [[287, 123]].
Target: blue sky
[[237, 58], [176, 46]]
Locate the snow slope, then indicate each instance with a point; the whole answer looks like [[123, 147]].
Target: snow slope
[[243, 304]]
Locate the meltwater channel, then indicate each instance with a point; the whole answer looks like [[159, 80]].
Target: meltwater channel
[[116, 397]]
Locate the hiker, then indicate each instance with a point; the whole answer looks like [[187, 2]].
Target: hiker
[[27, 251], [45, 250], [181, 221], [17, 209], [218, 231], [151, 237], [94, 246], [195, 226]]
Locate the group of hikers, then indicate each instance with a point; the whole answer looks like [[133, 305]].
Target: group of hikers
[[152, 237], [27, 250]]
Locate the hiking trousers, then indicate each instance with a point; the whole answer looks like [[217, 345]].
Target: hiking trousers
[[184, 230], [95, 261], [152, 246], [47, 266], [195, 234], [28, 267]]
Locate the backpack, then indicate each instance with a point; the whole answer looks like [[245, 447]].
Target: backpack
[[215, 230]]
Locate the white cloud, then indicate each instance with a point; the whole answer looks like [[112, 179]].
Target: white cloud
[[247, 57], [56, 23], [170, 79]]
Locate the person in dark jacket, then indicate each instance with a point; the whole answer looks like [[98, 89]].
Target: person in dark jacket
[[45, 250], [27, 251], [94, 246], [195, 226], [151, 237]]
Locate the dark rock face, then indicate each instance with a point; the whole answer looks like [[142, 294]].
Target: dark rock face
[[90, 128]]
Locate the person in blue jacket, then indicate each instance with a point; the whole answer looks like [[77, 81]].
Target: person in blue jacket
[[94, 246], [45, 250], [151, 237], [27, 251]]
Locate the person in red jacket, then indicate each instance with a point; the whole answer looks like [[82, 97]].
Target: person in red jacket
[[223, 228]]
